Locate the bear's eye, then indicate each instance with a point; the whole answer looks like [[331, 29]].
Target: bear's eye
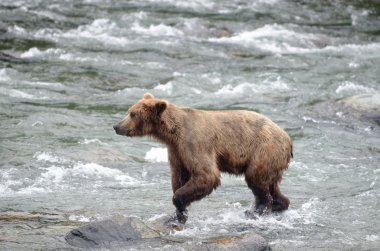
[[132, 115]]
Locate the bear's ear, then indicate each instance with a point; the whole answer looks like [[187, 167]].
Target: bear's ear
[[160, 106], [148, 96]]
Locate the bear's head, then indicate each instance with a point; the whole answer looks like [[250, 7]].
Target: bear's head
[[142, 118]]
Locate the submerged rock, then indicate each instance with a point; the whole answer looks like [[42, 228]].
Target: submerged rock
[[245, 242], [122, 232], [363, 106], [350, 110]]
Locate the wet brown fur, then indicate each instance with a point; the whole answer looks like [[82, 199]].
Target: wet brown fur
[[201, 144]]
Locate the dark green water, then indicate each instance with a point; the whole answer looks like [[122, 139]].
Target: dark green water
[[69, 70]]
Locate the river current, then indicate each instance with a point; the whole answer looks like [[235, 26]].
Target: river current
[[69, 70]]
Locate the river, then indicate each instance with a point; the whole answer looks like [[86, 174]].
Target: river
[[69, 70]]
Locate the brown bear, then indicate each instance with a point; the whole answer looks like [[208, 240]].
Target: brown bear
[[201, 144]]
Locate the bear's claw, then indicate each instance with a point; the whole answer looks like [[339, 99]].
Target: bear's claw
[[174, 223], [182, 216]]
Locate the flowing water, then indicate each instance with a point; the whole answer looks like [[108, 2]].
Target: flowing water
[[69, 70]]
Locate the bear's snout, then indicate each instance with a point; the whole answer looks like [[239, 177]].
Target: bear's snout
[[117, 129], [120, 130]]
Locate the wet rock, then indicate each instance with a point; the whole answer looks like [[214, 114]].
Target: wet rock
[[110, 233], [363, 106], [34, 216], [249, 241], [122, 232]]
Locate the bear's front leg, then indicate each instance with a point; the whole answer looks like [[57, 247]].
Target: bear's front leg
[[179, 178], [179, 174], [196, 188]]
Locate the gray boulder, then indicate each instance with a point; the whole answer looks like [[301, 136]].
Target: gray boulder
[[130, 232], [110, 233]]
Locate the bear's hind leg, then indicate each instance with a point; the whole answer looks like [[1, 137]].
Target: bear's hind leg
[[260, 188], [263, 200], [280, 201]]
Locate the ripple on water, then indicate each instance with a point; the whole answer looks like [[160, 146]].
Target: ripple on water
[[56, 173]]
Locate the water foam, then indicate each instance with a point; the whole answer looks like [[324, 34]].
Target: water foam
[[291, 219], [269, 2], [97, 27], [214, 77], [63, 171], [54, 53], [352, 88], [245, 88], [53, 174], [131, 92], [48, 157], [277, 39], [91, 141], [101, 30], [235, 90], [166, 88], [82, 59], [7, 184], [372, 237], [185, 4], [157, 30], [273, 38], [49, 14], [3, 189], [310, 119], [4, 75], [33, 189], [93, 170], [16, 93], [357, 17], [43, 84], [35, 52], [56, 178], [140, 15], [38, 123], [80, 218], [157, 154], [17, 30]]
